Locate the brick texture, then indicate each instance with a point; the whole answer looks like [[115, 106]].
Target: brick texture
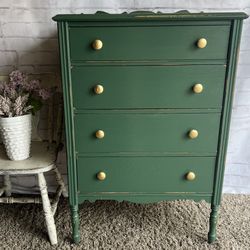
[[28, 41]]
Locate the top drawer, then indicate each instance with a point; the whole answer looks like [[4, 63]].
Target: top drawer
[[154, 43]]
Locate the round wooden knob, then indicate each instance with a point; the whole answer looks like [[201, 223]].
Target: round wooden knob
[[197, 88], [99, 134], [193, 134], [101, 176], [97, 44], [190, 176], [202, 43], [99, 89]]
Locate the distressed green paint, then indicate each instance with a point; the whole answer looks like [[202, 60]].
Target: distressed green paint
[[144, 197], [148, 65], [68, 116], [127, 87], [65, 69], [75, 223], [212, 223], [147, 132], [133, 43], [142, 16], [154, 174], [227, 108]]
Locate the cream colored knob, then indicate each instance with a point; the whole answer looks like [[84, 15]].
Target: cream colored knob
[[97, 44], [99, 89], [101, 176], [202, 43], [99, 134], [193, 134], [197, 88], [190, 176]]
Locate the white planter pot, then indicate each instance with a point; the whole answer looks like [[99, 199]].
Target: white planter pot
[[16, 136]]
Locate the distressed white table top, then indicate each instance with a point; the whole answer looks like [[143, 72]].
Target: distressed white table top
[[42, 159]]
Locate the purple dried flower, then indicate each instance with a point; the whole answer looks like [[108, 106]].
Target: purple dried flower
[[44, 94], [33, 85], [17, 78], [27, 108], [2, 87], [18, 93], [20, 105], [5, 106]]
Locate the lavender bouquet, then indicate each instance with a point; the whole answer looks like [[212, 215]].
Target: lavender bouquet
[[21, 96]]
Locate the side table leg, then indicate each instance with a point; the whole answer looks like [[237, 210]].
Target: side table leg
[[50, 222], [60, 182], [7, 185], [213, 223], [75, 223]]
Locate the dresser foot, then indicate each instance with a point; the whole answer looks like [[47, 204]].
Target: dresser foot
[[213, 223], [75, 223]]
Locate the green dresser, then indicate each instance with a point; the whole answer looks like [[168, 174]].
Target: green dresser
[[147, 105]]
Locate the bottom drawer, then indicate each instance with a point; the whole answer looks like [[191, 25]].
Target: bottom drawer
[[145, 174]]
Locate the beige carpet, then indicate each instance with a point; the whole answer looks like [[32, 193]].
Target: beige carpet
[[113, 225]]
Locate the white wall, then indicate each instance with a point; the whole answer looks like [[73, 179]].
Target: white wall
[[28, 41]]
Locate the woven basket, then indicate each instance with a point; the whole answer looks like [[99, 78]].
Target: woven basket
[[16, 136]]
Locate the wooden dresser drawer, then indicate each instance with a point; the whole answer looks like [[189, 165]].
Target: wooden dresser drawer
[[126, 132], [145, 174], [145, 42], [147, 86]]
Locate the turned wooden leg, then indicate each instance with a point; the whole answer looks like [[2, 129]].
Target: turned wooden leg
[[51, 227], [75, 223], [7, 185], [60, 182], [213, 223]]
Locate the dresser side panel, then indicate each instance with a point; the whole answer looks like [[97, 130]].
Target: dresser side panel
[[68, 110], [233, 52]]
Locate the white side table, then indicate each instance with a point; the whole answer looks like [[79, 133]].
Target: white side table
[[43, 156]]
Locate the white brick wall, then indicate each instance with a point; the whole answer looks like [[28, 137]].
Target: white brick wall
[[28, 41]]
